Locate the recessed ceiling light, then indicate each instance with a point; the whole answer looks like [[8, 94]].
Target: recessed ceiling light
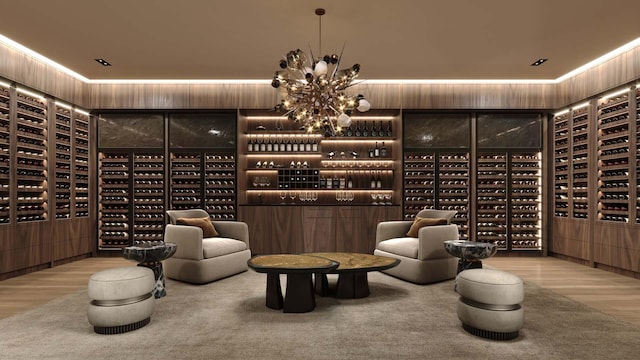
[[103, 62], [539, 62]]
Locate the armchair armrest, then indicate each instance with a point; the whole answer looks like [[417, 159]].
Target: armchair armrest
[[237, 230], [188, 240], [392, 229], [431, 241]]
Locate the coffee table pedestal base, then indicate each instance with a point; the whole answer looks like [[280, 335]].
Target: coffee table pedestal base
[[300, 296], [464, 264], [351, 285]]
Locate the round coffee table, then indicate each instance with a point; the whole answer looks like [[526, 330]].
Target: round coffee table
[[298, 268], [470, 253], [150, 254], [352, 273]]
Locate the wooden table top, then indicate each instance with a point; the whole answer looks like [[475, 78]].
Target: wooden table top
[[291, 263], [357, 262]]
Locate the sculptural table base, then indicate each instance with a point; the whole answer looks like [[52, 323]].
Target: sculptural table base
[[158, 272], [464, 264]]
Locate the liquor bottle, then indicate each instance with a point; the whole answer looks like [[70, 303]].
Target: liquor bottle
[[329, 183], [288, 146], [307, 146], [371, 153], [294, 146], [358, 132], [383, 151], [343, 182], [376, 151], [250, 145], [379, 182], [389, 131], [336, 183], [349, 131], [323, 182], [314, 145], [373, 182], [276, 145], [263, 145], [349, 182], [365, 130], [374, 131], [269, 145]]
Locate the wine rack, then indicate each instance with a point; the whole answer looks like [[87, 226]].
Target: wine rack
[[148, 197], [419, 183], [437, 180], [5, 158], [526, 201], [81, 160], [453, 188], [220, 186], [114, 231], [579, 161], [561, 165], [637, 92], [31, 148], [285, 164], [186, 184], [492, 199], [613, 158], [63, 173]]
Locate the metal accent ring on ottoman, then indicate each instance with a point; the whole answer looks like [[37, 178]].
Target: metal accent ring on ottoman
[[489, 304], [121, 299]]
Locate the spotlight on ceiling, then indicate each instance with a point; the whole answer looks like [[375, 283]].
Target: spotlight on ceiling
[[539, 62], [103, 62]]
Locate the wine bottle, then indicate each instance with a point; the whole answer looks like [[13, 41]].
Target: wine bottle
[[358, 130], [269, 145], [380, 131], [263, 145], [329, 183], [288, 146], [349, 131], [323, 182], [294, 146], [365, 130], [389, 131], [379, 182], [374, 131], [276, 145], [250, 146], [373, 182], [349, 182], [383, 151], [371, 153], [343, 182], [307, 146], [376, 151], [314, 145]]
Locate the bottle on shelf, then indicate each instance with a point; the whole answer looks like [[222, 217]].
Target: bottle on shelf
[[378, 182], [294, 146], [349, 131], [365, 130], [383, 151], [349, 182], [269, 145], [376, 150], [389, 130], [314, 145], [288, 146], [380, 131], [276, 145], [374, 131], [307, 145], [358, 131], [373, 181], [263, 145]]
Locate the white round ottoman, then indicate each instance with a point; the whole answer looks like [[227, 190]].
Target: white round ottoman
[[489, 304], [121, 299]]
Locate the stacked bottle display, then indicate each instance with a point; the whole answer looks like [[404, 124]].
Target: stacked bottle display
[[561, 165], [63, 173], [114, 200], [186, 181], [444, 189], [220, 177], [492, 199], [579, 151], [613, 158], [366, 129], [526, 201], [81, 160], [31, 147], [5, 158], [148, 197], [208, 178]]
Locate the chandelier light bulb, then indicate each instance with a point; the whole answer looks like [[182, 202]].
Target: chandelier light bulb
[[344, 120], [321, 68], [363, 105]]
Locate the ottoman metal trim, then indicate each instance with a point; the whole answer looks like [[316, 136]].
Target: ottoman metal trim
[[492, 335], [493, 307], [112, 330], [121, 302]]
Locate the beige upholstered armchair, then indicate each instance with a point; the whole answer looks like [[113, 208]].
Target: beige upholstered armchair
[[423, 259], [204, 258]]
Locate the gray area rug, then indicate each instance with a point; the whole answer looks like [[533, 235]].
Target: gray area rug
[[227, 319]]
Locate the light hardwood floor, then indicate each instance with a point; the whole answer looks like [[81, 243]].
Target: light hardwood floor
[[616, 295]]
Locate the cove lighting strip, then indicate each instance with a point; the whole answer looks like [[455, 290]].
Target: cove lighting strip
[[608, 56], [580, 106]]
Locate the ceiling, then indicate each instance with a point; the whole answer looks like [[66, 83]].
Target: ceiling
[[245, 39]]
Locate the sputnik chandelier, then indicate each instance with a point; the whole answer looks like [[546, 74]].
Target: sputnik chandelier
[[313, 90]]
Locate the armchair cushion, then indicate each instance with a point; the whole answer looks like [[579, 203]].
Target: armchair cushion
[[208, 230], [405, 246], [219, 246], [419, 223]]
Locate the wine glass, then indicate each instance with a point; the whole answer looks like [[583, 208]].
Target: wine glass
[[283, 195], [292, 195]]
